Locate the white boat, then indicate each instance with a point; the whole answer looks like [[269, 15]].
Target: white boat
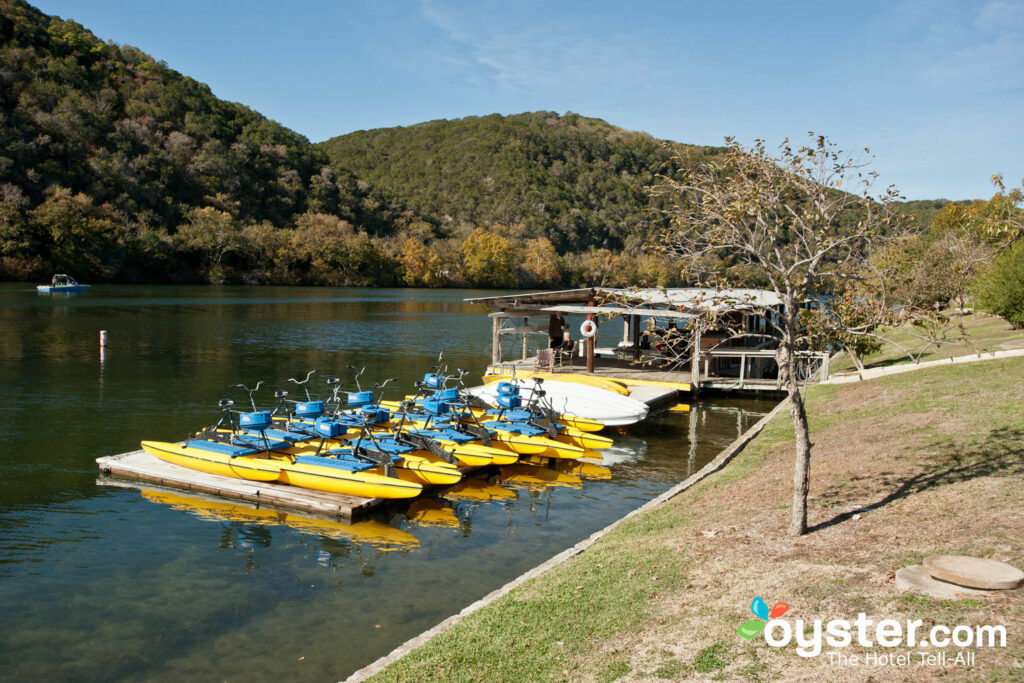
[[579, 400], [62, 283]]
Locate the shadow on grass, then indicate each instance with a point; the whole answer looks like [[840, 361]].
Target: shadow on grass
[[1000, 454]]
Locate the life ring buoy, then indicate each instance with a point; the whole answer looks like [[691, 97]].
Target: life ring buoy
[[588, 329]]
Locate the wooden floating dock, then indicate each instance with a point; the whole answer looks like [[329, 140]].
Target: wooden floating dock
[[143, 468]]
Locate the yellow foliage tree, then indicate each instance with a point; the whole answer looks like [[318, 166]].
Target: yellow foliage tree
[[489, 260], [421, 265], [540, 264]]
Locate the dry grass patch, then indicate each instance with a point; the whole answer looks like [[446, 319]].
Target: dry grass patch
[[904, 466]]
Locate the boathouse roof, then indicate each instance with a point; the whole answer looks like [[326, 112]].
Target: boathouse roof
[[681, 302]]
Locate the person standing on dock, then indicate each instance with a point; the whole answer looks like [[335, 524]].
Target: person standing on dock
[[555, 327]]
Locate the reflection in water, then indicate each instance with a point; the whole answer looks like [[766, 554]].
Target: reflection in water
[[536, 477], [370, 532], [585, 470], [429, 512], [626, 449], [480, 490]]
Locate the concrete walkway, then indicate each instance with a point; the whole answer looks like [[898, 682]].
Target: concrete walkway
[[872, 373]]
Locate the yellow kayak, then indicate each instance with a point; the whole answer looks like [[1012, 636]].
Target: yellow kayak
[[529, 444], [341, 476], [479, 454], [581, 423], [418, 466], [586, 440], [567, 434], [508, 436], [215, 458], [297, 466]]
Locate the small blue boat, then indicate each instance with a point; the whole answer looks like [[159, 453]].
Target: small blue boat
[[62, 283]]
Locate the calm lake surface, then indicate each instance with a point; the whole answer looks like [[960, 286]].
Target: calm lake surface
[[101, 582]]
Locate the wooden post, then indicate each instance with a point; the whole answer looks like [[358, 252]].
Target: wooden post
[[695, 361], [743, 368], [691, 463], [526, 321], [495, 339], [825, 366], [636, 336], [591, 343]]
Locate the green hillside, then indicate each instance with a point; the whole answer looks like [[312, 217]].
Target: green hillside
[[104, 152], [580, 182]]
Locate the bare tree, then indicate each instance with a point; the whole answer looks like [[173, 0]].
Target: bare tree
[[802, 219]]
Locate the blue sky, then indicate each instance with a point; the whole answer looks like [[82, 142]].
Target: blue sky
[[934, 87]]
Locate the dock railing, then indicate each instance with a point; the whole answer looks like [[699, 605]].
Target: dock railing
[[812, 366]]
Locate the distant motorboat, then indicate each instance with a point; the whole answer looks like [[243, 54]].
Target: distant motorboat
[[62, 283]]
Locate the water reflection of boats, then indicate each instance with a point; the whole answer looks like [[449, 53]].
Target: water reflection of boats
[[478, 490], [625, 450], [534, 476], [580, 468], [429, 512], [585, 470], [370, 532]]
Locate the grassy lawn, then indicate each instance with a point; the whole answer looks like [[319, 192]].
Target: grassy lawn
[[903, 466], [984, 333]]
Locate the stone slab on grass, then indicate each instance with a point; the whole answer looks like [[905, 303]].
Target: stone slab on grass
[[917, 578], [974, 572]]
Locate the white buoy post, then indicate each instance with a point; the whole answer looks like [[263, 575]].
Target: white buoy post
[[103, 339]]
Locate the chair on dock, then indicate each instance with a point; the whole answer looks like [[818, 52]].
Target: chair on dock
[[552, 360]]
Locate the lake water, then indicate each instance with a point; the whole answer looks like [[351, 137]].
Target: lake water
[[101, 582]]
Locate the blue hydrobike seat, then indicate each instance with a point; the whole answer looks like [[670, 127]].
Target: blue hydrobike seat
[[255, 425]]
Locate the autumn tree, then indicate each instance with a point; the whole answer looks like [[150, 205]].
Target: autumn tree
[[421, 266], [539, 266], [801, 218], [489, 260]]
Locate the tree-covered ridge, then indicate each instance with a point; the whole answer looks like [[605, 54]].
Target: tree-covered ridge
[[109, 133], [113, 122], [579, 182]]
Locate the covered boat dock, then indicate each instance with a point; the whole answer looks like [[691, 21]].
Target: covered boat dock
[[663, 338]]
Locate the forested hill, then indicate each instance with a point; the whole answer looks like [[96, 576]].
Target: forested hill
[[580, 182], [102, 146]]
